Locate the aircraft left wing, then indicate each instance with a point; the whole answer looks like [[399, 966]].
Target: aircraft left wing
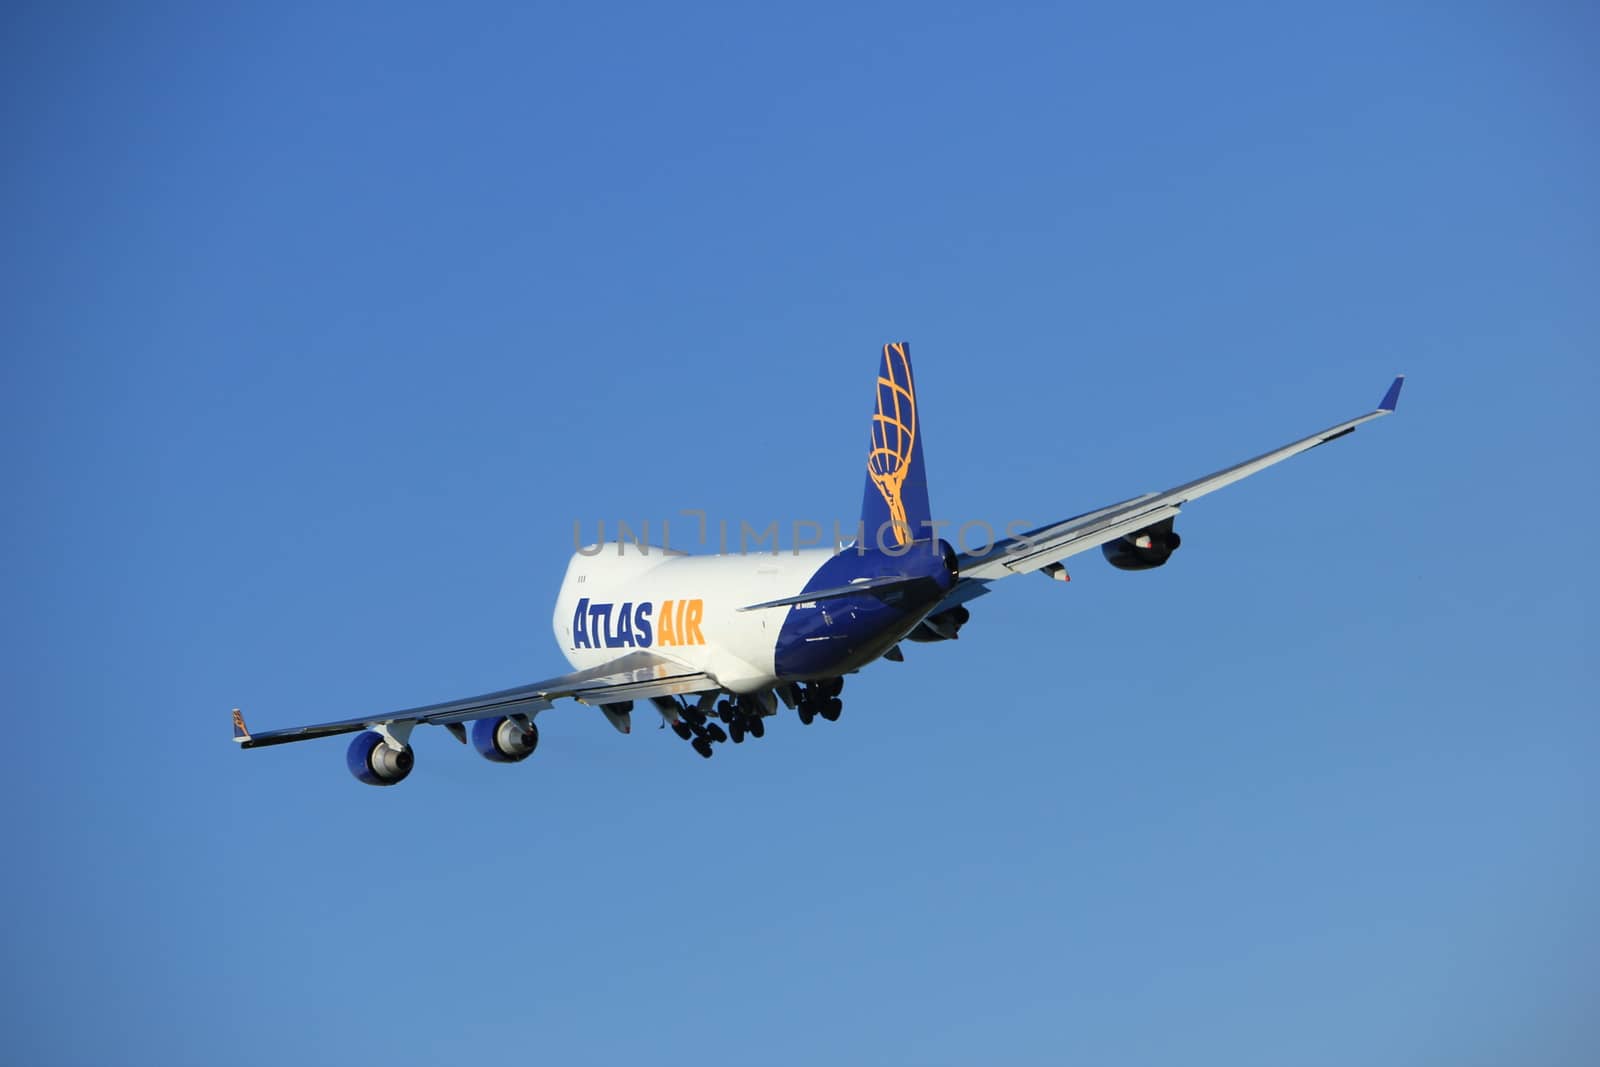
[[1047, 545], [636, 676]]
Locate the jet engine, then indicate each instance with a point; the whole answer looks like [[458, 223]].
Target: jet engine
[[1143, 549], [372, 761], [941, 627], [506, 739]]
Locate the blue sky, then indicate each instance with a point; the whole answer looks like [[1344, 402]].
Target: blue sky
[[322, 325]]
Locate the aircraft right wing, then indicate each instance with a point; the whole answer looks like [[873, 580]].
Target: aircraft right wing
[[635, 676], [1050, 544]]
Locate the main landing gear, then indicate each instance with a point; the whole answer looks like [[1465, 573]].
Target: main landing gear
[[737, 718], [821, 698], [743, 719]]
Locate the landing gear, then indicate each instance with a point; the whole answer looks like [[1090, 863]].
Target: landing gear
[[742, 716], [739, 718], [821, 698]]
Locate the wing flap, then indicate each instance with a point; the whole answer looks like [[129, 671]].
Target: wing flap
[[1028, 553]]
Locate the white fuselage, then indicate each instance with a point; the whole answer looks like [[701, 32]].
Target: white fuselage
[[680, 607]]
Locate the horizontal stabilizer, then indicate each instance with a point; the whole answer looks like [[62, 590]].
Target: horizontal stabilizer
[[881, 588]]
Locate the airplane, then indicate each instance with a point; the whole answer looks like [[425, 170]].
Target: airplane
[[716, 643]]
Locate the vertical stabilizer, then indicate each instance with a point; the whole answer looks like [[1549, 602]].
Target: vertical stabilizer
[[894, 508]]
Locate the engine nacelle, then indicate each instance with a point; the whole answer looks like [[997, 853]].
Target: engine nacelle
[[506, 739], [1143, 549], [372, 761], [944, 626]]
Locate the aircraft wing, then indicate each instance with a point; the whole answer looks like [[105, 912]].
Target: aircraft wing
[[635, 676], [1050, 544]]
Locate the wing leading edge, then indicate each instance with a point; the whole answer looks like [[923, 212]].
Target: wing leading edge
[[1049, 544], [636, 676]]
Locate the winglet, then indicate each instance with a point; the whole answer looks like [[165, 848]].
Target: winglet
[[1392, 397], [241, 733]]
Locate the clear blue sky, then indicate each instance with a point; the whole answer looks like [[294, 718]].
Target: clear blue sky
[[322, 324]]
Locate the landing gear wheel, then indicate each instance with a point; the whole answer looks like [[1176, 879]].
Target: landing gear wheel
[[681, 728], [835, 687], [702, 746], [736, 731], [831, 709], [716, 733], [725, 711], [806, 714], [756, 727]]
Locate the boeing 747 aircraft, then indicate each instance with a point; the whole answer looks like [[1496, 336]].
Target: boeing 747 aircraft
[[717, 643]]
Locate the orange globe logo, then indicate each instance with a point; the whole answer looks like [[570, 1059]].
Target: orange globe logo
[[894, 431]]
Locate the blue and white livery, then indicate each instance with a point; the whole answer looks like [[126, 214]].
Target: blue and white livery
[[716, 644]]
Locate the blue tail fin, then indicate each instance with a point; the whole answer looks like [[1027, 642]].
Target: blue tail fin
[[894, 508]]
